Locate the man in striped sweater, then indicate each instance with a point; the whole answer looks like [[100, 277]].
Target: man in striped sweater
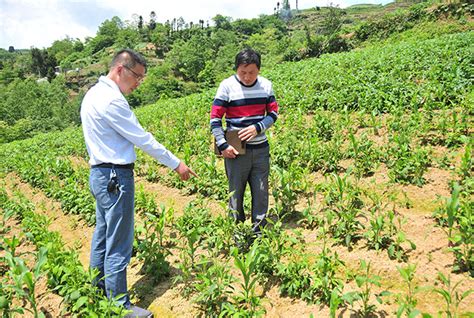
[[247, 102]]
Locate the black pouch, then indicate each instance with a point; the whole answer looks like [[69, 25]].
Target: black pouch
[[113, 185]]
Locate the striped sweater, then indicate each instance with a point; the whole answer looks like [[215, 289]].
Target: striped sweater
[[243, 106]]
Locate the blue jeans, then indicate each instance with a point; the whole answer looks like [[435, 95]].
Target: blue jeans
[[112, 242], [253, 168]]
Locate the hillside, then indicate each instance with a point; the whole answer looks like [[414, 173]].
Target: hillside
[[371, 194], [41, 90], [352, 15]]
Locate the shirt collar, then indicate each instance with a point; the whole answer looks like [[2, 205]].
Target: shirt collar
[[251, 85], [107, 81]]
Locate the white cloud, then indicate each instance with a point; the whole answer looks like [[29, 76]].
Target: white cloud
[[29, 23], [38, 23]]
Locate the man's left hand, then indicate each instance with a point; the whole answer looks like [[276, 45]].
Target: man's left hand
[[184, 171], [248, 133]]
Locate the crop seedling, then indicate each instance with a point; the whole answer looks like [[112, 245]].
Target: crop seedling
[[407, 302], [24, 280], [214, 287], [324, 273], [247, 304], [365, 282], [452, 296], [343, 210], [151, 249], [396, 249], [295, 278], [145, 203], [273, 245]]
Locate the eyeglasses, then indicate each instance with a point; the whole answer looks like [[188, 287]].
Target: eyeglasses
[[138, 77]]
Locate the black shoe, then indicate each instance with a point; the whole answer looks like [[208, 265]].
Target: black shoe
[[138, 312]]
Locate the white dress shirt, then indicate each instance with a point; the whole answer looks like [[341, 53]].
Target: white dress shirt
[[111, 129]]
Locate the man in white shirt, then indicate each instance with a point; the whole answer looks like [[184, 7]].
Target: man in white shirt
[[111, 132]]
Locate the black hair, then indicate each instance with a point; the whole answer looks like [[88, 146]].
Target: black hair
[[128, 58], [247, 56]]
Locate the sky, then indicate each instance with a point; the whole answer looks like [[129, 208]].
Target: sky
[[38, 23]]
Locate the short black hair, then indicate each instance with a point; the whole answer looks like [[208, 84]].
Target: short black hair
[[128, 58], [247, 56]]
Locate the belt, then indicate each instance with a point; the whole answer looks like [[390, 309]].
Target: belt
[[112, 165]]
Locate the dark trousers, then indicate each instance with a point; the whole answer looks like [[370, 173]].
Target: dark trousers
[[253, 168]]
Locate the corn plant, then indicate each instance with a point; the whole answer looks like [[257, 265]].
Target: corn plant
[[396, 249], [220, 232], [243, 235], [214, 287], [452, 296], [365, 155], [272, 246], [447, 216], [451, 127], [9, 291], [193, 227], [66, 275], [84, 298], [407, 302], [324, 272], [211, 182], [7, 214], [407, 165], [462, 240], [466, 166], [326, 156], [286, 184], [246, 303], [365, 282], [295, 275], [295, 278], [334, 303], [457, 220], [378, 234], [24, 280], [145, 203], [150, 248], [343, 205], [310, 216]]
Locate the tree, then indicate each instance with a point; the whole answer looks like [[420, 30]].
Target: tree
[[180, 24], [267, 44], [11, 49], [60, 49], [332, 20], [37, 61], [106, 35], [160, 37], [173, 24], [43, 64], [222, 22], [188, 58], [247, 26], [152, 24], [128, 37], [285, 12], [110, 28]]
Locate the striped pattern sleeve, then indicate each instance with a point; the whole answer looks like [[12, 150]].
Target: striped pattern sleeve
[[218, 111], [271, 113]]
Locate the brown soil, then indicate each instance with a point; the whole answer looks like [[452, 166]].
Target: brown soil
[[416, 204]]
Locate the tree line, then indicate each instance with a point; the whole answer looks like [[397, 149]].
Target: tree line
[[184, 57]]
